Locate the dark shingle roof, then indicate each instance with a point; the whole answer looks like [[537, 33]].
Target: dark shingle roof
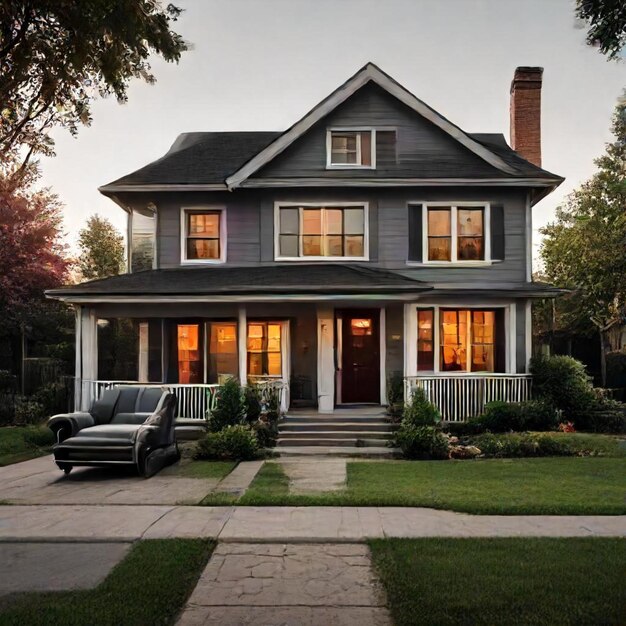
[[201, 158], [308, 278]]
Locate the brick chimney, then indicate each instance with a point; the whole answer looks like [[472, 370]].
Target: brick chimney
[[526, 113]]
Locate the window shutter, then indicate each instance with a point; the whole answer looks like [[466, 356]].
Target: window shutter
[[497, 232], [415, 232]]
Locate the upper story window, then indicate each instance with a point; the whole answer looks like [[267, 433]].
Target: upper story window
[[321, 232], [351, 148], [456, 233], [203, 236], [142, 240]]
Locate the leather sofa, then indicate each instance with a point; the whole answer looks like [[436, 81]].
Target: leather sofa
[[126, 426]]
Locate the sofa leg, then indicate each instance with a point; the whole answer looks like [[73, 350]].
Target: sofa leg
[[66, 468]]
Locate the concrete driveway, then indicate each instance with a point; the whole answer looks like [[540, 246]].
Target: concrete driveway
[[39, 481]]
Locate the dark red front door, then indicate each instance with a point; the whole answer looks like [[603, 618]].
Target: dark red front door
[[360, 360]]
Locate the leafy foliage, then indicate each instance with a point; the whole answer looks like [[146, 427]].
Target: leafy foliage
[[422, 442], [57, 56], [236, 443], [585, 248], [230, 407], [607, 24], [420, 411], [102, 249]]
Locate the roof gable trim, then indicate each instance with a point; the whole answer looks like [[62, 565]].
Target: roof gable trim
[[369, 73]]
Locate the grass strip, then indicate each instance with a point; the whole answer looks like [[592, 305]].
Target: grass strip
[[503, 581], [150, 586]]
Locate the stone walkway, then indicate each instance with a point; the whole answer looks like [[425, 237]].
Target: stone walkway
[[287, 585], [313, 476], [39, 481], [284, 524]]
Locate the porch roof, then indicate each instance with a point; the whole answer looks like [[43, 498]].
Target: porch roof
[[297, 279]]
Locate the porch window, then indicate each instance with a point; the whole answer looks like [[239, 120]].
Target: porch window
[[467, 340], [321, 232], [456, 233], [425, 340], [350, 148], [264, 349], [203, 236], [142, 248], [189, 355], [222, 358]]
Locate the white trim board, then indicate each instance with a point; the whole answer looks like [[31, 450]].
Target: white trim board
[[374, 74]]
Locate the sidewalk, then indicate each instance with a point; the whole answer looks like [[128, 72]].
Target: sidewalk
[[283, 524]]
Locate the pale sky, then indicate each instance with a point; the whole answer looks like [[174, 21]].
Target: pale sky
[[262, 64]]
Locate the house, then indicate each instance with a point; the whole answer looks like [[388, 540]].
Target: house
[[373, 237]]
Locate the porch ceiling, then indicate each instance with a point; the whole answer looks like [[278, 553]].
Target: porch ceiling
[[297, 279]]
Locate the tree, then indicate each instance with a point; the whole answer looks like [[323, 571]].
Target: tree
[[606, 20], [32, 259], [102, 249], [57, 56], [585, 248]]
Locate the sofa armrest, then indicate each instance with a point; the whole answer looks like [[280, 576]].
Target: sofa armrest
[[68, 425]]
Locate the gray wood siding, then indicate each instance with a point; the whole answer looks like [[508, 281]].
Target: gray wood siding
[[250, 226], [394, 336], [418, 143]]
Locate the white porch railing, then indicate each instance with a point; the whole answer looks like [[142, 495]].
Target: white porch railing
[[461, 396], [194, 401]]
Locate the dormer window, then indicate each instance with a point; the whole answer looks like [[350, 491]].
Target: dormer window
[[351, 148]]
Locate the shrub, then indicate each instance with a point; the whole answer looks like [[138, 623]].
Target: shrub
[[395, 395], [522, 445], [616, 369], [266, 432], [501, 417], [420, 412], [422, 442], [253, 403], [28, 412], [230, 406], [563, 382], [53, 398], [540, 415], [236, 443], [38, 436]]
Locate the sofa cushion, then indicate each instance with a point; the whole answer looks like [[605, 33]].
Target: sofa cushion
[[130, 418], [125, 432], [80, 441], [102, 410], [148, 399], [127, 400]]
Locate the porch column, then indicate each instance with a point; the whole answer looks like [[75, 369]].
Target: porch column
[[242, 344], [89, 354], [78, 358], [325, 359]]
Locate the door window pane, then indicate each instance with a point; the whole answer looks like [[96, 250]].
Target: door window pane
[[264, 349], [425, 340], [483, 341], [454, 340]]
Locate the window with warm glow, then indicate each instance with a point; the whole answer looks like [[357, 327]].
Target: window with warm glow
[[467, 340], [202, 235], [223, 357], [350, 148], [321, 232], [425, 340], [189, 356], [455, 233], [264, 349]]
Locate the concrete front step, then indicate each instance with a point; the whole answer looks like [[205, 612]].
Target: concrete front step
[[330, 439], [333, 417], [374, 452], [334, 434], [372, 426]]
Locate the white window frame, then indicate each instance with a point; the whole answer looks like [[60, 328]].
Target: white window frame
[[319, 205], [411, 334], [351, 166], [454, 206], [205, 208]]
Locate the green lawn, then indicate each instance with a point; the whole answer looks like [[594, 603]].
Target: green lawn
[[503, 581], [150, 586], [23, 443], [558, 485], [205, 469]]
